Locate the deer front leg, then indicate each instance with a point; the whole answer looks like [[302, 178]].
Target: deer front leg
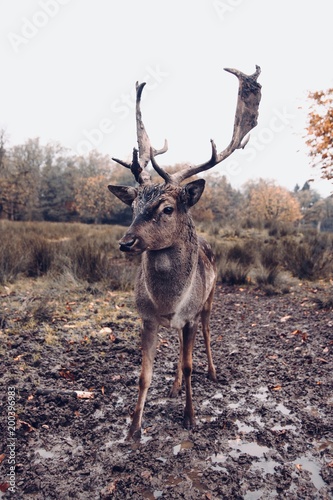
[[177, 383], [148, 344], [189, 332]]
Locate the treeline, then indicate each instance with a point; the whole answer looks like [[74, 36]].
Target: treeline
[[47, 183]]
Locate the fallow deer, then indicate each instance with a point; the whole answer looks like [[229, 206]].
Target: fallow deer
[[176, 280]]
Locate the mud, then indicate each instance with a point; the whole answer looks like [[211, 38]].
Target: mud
[[264, 430]]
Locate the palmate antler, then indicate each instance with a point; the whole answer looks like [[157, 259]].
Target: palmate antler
[[249, 95]]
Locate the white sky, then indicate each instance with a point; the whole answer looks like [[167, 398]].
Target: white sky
[[69, 69]]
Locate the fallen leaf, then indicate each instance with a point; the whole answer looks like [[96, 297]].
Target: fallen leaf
[[2, 457], [67, 375], [26, 426], [18, 357], [330, 464], [322, 360], [30, 397], [84, 394], [110, 488], [298, 466], [105, 330], [146, 474], [4, 487], [285, 318], [102, 390], [277, 388]]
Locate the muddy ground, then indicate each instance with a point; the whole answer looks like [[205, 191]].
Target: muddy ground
[[264, 430]]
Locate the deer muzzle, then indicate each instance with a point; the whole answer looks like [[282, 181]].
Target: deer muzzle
[[130, 243]]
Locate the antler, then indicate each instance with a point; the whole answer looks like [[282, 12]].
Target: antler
[[249, 95], [141, 157]]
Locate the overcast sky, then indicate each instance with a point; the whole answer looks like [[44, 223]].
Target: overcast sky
[[69, 69]]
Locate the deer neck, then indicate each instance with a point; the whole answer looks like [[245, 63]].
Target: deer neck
[[169, 271]]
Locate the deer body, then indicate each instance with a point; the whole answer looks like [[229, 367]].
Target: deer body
[[176, 280]]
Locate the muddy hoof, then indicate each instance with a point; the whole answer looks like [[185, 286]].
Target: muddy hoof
[[188, 422], [212, 376], [174, 391], [133, 434]]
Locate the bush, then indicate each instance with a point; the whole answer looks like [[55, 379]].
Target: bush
[[311, 259]]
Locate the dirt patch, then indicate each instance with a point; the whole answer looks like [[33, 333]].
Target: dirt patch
[[264, 430]]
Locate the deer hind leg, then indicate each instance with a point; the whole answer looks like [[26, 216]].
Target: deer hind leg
[[205, 317], [177, 383], [189, 332], [148, 344]]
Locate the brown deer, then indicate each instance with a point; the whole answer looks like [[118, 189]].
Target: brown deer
[[176, 280]]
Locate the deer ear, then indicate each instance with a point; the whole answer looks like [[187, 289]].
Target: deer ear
[[193, 191], [125, 193]]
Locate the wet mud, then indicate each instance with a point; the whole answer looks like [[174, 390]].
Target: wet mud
[[264, 430]]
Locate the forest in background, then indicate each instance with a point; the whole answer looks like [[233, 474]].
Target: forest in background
[[47, 183]]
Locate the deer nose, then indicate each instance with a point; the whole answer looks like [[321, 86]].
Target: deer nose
[[126, 243]]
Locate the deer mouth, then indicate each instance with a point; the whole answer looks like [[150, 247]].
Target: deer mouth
[[130, 244]]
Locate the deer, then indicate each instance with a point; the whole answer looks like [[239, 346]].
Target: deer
[[176, 279]]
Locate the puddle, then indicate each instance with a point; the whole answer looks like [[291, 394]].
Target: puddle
[[265, 466], [284, 428], [218, 395], [280, 407], [152, 495], [254, 495], [324, 445], [244, 427], [257, 419], [120, 401], [208, 418], [311, 466], [262, 393], [184, 445], [195, 476], [44, 453], [217, 458], [233, 406], [252, 448]]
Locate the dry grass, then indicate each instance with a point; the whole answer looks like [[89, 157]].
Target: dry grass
[[88, 254]]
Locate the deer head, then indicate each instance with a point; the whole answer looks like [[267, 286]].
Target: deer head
[[161, 206]]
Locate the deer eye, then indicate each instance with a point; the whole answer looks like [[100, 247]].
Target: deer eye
[[168, 210]]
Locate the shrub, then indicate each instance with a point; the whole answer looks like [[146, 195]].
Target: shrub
[[311, 259]]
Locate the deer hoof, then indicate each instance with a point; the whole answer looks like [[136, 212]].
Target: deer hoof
[[212, 375], [134, 433], [174, 391], [189, 422]]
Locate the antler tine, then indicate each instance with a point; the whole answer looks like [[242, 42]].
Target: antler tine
[[249, 95], [145, 151]]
